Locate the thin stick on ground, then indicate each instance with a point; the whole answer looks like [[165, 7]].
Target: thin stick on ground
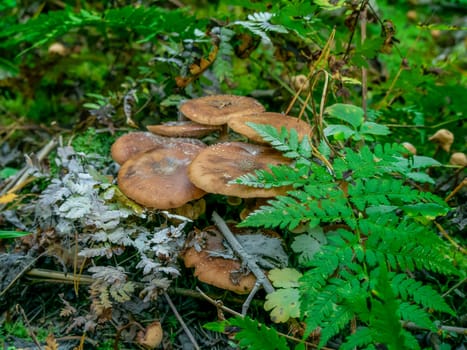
[[30, 329], [246, 258], [23, 175], [182, 323]]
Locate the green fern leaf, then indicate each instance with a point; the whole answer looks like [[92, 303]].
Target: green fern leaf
[[362, 336], [222, 66], [284, 141], [147, 22], [413, 313], [259, 23], [424, 295], [255, 336], [335, 322], [384, 318]]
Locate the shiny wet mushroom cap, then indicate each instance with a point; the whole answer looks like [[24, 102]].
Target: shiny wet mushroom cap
[[158, 178], [185, 128], [218, 109], [133, 143], [277, 120], [217, 165]]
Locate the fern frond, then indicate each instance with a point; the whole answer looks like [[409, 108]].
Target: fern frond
[[256, 336], [300, 206], [335, 322], [259, 23], [413, 313], [280, 175], [404, 244], [147, 22], [284, 141], [222, 66], [362, 336], [384, 318], [424, 295]]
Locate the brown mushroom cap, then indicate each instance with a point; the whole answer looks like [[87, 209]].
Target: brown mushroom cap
[[277, 120], [458, 158], [443, 138], [133, 143], [158, 178], [216, 165], [214, 270], [185, 128], [151, 337], [218, 109]]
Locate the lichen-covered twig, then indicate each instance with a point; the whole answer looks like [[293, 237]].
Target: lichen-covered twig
[[246, 258]]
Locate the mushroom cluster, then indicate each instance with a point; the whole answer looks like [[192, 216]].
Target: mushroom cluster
[[168, 167]]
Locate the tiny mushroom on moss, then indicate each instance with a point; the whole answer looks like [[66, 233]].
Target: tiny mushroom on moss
[[218, 109], [216, 165], [409, 147], [184, 128], [277, 120], [151, 337], [158, 178], [458, 158], [444, 138]]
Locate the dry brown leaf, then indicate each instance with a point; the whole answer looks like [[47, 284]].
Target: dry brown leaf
[[51, 343]]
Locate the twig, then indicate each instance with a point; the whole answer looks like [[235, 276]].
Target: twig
[[457, 189], [453, 242], [219, 304], [78, 337], [250, 297], [23, 175], [415, 327], [30, 331], [363, 21], [458, 284], [246, 258], [59, 276], [21, 273], [182, 323]]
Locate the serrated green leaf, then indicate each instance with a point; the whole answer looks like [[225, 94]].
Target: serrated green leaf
[[307, 245], [284, 304], [374, 129], [348, 113], [420, 177], [255, 336], [284, 278], [429, 211], [340, 132]]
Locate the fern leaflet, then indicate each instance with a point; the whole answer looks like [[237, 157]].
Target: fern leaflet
[[255, 336]]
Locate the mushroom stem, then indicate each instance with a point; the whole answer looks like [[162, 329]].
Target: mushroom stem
[[246, 258]]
